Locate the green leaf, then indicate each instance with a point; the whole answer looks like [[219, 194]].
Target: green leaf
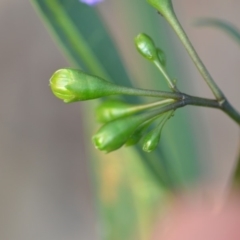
[[223, 25]]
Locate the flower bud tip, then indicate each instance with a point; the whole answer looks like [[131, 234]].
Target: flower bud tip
[[58, 84]]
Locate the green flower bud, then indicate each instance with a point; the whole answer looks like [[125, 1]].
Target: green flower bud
[[58, 83], [137, 135], [140, 131], [113, 109], [134, 139], [146, 47], [163, 6], [72, 85], [115, 134], [151, 140], [162, 57]]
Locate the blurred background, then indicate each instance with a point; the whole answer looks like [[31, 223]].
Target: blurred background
[[44, 177]]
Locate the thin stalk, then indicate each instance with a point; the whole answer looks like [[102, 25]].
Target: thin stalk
[[164, 120], [165, 75], [173, 21], [151, 105], [223, 102], [202, 102], [148, 93], [172, 106]]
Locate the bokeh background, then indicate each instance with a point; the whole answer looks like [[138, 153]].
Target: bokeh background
[[45, 183]]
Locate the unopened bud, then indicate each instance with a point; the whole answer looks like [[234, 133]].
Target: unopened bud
[[151, 140], [113, 109], [148, 50], [59, 82], [114, 134], [140, 131], [146, 47], [73, 85]]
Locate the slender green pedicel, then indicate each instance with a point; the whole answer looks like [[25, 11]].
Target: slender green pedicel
[[151, 140], [113, 109], [147, 49]]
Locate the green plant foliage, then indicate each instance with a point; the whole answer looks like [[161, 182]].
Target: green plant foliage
[[129, 184]]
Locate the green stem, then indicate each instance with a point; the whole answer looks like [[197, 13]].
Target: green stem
[[165, 75], [190, 100], [171, 17], [230, 111], [173, 21], [202, 102], [142, 107], [148, 93]]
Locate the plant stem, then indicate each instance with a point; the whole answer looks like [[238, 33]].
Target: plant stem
[[202, 102], [230, 111], [171, 84], [190, 100], [148, 93], [173, 21], [224, 106], [222, 101], [151, 105]]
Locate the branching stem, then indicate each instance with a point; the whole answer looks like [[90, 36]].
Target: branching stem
[[222, 101]]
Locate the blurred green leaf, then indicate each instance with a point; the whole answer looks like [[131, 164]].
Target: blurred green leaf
[[129, 183], [223, 25]]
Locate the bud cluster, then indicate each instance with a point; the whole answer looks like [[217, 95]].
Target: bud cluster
[[126, 124], [123, 123]]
